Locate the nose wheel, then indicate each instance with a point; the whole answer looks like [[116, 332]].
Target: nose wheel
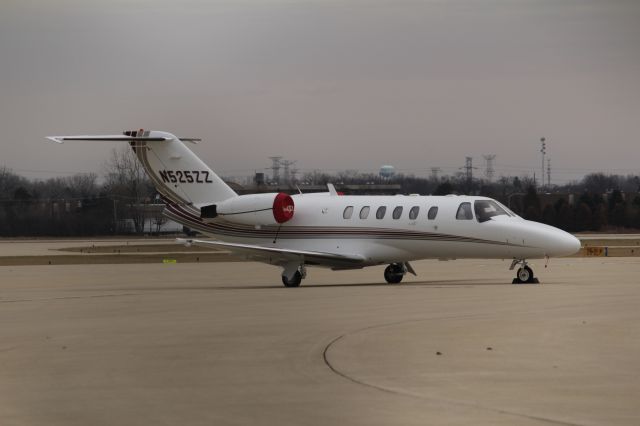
[[524, 275]]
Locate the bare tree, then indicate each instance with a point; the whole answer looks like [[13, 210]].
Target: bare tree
[[9, 182], [128, 183], [159, 219]]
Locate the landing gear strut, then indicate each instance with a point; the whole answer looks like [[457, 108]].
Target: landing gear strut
[[524, 275]]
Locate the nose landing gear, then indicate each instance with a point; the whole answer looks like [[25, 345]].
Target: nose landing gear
[[524, 275]]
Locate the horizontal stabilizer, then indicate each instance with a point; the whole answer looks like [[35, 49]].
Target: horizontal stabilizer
[[118, 138], [108, 138]]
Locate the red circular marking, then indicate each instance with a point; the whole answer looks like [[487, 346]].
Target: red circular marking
[[283, 207]]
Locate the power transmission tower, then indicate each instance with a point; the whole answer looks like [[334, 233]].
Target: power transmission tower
[[468, 168], [275, 167], [434, 173], [287, 175], [468, 172], [543, 150], [489, 171]]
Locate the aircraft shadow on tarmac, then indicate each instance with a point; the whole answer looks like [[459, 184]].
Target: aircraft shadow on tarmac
[[413, 284], [425, 284]]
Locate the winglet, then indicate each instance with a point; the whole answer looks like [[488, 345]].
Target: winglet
[[56, 139], [332, 190]]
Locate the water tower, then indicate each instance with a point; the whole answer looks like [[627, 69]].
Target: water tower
[[387, 171]]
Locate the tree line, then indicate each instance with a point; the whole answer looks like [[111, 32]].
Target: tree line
[[597, 202], [85, 205], [79, 205]]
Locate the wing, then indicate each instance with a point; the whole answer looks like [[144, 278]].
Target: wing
[[281, 256]]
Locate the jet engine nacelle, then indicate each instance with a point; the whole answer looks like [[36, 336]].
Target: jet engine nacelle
[[257, 209]]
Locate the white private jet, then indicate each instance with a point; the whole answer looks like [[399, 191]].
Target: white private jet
[[334, 231]]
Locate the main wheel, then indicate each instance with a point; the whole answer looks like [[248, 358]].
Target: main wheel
[[393, 273], [525, 274], [293, 282]]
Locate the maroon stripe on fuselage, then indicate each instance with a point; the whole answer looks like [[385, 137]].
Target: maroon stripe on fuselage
[[298, 232]]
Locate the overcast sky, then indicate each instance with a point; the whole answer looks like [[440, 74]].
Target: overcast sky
[[332, 84]]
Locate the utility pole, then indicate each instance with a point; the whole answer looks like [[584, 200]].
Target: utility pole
[[543, 150], [275, 167], [489, 170], [548, 171], [115, 216]]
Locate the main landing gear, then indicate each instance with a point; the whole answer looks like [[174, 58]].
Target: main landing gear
[[524, 275], [394, 273], [293, 274]]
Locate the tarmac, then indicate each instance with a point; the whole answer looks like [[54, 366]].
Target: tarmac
[[225, 343]]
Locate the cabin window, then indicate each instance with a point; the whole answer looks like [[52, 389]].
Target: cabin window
[[413, 213], [382, 210], [486, 209], [347, 212], [464, 212], [432, 213], [364, 212], [397, 212]]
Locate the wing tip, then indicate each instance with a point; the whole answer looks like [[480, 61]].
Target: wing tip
[[56, 139], [187, 242]]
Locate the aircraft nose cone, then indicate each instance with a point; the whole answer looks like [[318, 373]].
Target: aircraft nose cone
[[565, 244]]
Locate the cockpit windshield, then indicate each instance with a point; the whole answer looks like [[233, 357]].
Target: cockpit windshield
[[486, 209]]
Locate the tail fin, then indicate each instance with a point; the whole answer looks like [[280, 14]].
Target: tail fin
[[177, 173]]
